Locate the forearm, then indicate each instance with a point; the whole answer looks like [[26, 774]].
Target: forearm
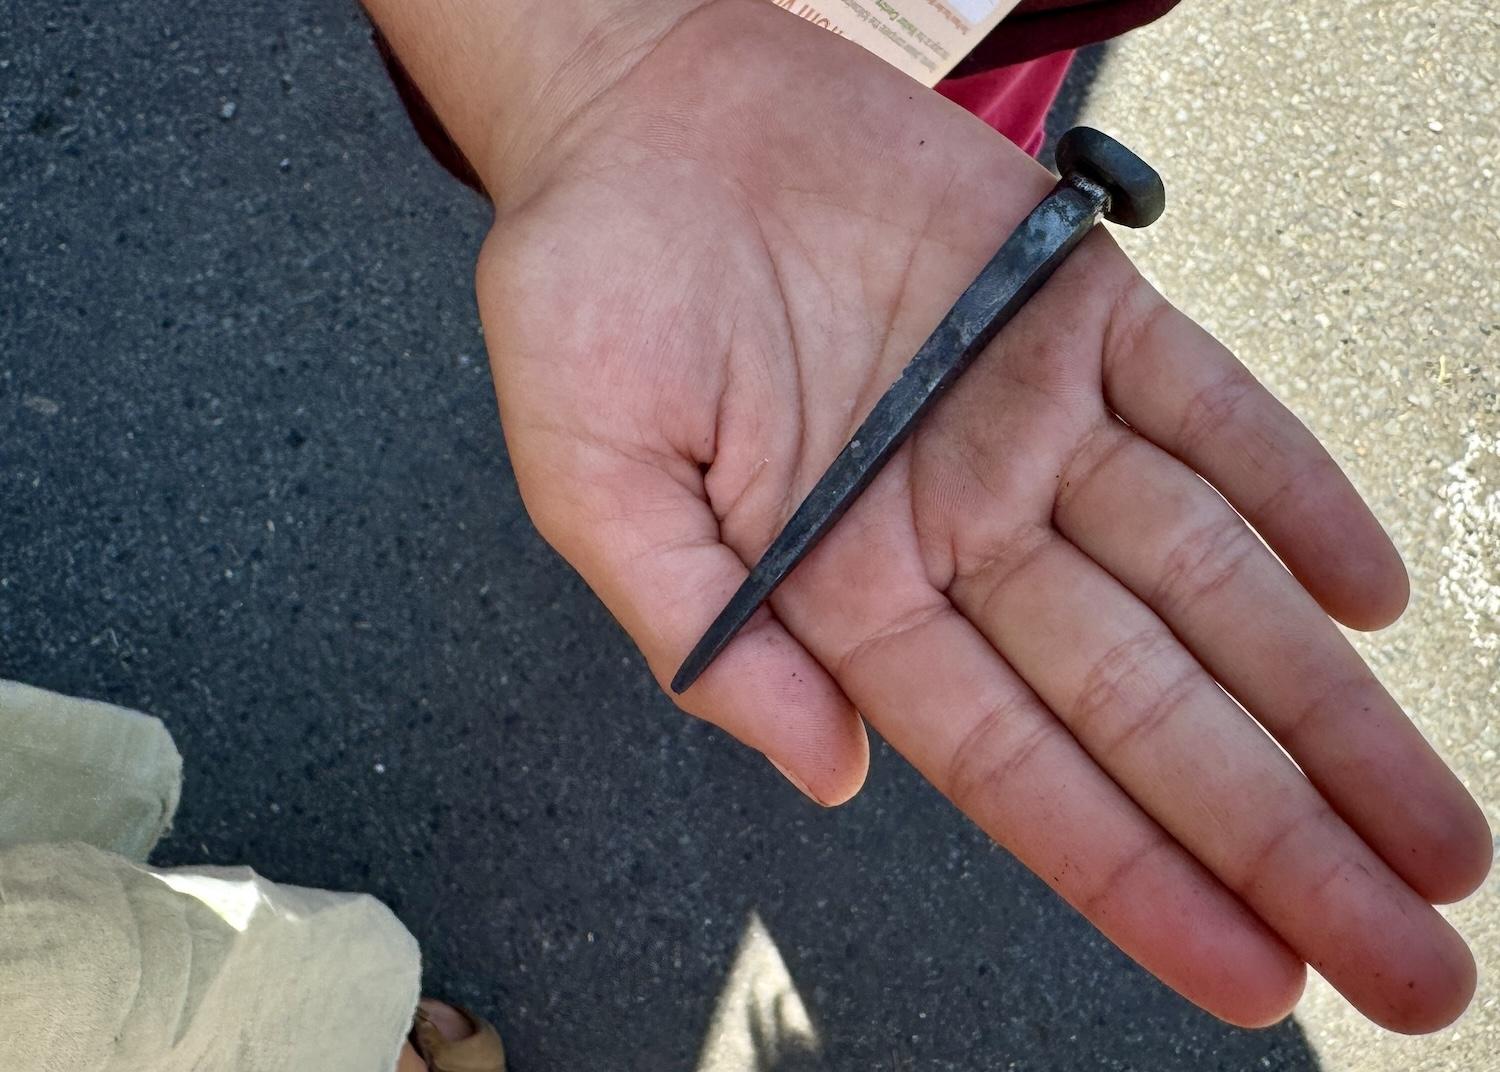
[[506, 76]]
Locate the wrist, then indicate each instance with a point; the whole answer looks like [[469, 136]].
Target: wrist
[[508, 78]]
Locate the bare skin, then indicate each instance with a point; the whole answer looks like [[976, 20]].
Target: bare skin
[[448, 1020], [709, 259]]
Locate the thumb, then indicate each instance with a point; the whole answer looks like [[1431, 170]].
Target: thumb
[[645, 539]]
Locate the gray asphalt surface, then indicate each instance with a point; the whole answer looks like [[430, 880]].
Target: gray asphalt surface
[[251, 481]]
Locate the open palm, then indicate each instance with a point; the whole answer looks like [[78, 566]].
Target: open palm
[[1043, 602]]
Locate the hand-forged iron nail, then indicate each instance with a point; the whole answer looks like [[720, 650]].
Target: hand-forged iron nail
[[1100, 177]]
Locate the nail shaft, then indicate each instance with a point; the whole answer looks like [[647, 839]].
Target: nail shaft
[[1023, 263]]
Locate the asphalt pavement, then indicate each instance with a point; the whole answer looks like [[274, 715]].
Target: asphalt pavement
[[251, 481]]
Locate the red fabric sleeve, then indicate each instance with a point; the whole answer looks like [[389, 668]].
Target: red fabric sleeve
[[1038, 27], [1014, 100]]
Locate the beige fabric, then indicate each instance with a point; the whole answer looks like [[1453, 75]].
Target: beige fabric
[[76, 770], [107, 966], [110, 966]]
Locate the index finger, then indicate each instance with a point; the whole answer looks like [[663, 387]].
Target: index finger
[[1179, 387]]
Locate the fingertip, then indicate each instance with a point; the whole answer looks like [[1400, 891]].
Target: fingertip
[[835, 786], [838, 786], [1372, 588], [1271, 1000], [1458, 857], [1188, 930], [1439, 843], [828, 765], [1414, 976], [768, 692], [1432, 993], [1264, 978]]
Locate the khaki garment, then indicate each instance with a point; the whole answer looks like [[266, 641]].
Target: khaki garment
[[76, 770], [107, 965]]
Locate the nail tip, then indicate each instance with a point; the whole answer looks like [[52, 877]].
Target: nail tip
[[698, 660], [684, 679]]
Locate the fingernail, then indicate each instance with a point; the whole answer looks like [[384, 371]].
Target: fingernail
[[798, 782]]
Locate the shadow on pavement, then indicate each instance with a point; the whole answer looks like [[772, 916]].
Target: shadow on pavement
[[253, 483], [1073, 97]]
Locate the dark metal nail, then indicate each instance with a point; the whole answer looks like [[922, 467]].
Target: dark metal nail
[[1100, 177]]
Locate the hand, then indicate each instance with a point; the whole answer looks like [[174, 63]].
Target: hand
[[692, 296]]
